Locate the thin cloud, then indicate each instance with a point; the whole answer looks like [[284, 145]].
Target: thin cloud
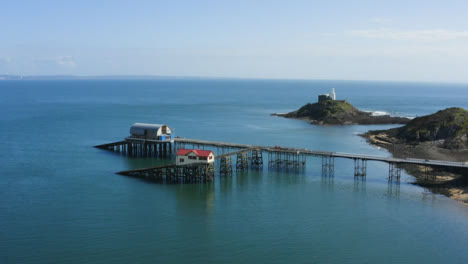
[[66, 61], [413, 35], [381, 21]]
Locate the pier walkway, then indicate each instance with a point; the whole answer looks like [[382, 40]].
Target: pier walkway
[[308, 152], [252, 155]]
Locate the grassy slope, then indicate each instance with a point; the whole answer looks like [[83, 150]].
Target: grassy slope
[[325, 109], [450, 125]]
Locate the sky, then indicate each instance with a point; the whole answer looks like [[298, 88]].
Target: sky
[[338, 40]]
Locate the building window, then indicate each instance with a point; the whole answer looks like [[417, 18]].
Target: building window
[[203, 158], [192, 157], [181, 160], [211, 157]]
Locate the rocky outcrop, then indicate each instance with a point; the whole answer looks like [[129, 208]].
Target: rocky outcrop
[[334, 112], [439, 136], [447, 129]]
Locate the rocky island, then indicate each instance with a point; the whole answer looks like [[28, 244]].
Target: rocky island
[[329, 111], [439, 136]]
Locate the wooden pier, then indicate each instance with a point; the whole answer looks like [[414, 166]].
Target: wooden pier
[[278, 157], [170, 173], [136, 147], [251, 155]]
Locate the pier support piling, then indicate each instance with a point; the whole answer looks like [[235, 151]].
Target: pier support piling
[[142, 148], [195, 173], [256, 159], [328, 165], [360, 167], [286, 160], [225, 166], [394, 172], [242, 162]]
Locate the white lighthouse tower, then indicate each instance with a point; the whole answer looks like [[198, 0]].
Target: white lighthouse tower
[[333, 94], [330, 96]]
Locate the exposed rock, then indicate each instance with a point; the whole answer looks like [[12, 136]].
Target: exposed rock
[[440, 136]]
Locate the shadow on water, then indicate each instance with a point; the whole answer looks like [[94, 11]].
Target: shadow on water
[[286, 176], [193, 197], [225, 183], [247, 177], [327, 182], [429, 196], [393, 188], [195, 210], [360, 184], [254, 177]]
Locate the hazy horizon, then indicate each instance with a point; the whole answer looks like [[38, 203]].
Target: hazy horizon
[[421, 41], [169, 77]]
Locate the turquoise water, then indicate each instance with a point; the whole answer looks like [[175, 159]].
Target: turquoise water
[[60, 201]]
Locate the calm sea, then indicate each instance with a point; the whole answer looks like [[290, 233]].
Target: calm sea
[[60, 201]]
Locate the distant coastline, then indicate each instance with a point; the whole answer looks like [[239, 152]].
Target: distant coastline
[[90, 77], [206, 77]]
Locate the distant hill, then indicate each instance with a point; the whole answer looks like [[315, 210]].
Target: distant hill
[[96, 77], [335, 112], [10, 77]]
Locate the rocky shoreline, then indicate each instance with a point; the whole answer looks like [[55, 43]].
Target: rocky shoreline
[[452, 183], [439, 136]]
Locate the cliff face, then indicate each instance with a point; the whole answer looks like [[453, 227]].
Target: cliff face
[[449, 128], [339, 113]]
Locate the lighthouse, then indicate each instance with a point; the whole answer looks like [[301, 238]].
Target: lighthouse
[[333, 94]]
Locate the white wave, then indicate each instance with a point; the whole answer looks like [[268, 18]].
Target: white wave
[[379, 113], [383, 113]]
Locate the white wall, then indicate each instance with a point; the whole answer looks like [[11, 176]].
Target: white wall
[[188, 161]]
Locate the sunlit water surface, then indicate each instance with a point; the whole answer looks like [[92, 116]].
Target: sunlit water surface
[[60, 201]]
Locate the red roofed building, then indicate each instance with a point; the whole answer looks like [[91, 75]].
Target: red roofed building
[[191, 156]]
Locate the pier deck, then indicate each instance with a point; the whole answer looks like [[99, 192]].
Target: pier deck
[[245, 154], [211, 143], [308, 152]]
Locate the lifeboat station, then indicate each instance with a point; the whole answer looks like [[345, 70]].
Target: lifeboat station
[[194, 156], [151, 131]]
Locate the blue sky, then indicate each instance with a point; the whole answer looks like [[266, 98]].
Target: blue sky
[[351, 40]]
